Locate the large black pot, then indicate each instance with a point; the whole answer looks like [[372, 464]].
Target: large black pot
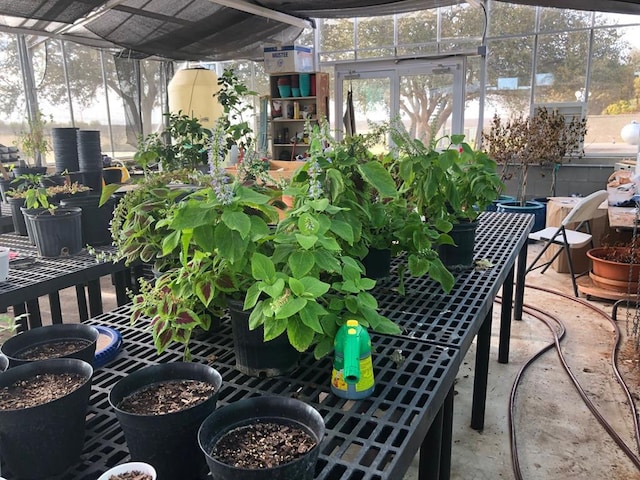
[[254, 356], [17, 344], [460, 255], [95, 220], [168, 442], [65, 148], [45, 440], [284, 410], [58, 234]]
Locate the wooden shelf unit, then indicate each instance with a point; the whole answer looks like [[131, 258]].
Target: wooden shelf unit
[[283, 127]]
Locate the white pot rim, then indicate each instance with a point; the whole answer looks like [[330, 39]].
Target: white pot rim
[[129, 467]]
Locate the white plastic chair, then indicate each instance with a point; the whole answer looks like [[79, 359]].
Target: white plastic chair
[[583, 211]]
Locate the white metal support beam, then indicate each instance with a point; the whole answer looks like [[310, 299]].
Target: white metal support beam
[[265, 12]]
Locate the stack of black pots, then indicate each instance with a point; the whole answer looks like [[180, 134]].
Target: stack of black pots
[[65, 149], [90, 158]]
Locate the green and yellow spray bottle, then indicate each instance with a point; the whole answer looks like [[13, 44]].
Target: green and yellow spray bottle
[[352, 375]]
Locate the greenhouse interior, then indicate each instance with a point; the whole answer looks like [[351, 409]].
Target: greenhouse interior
[[354, 240]]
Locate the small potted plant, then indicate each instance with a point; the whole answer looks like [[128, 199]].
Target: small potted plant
[[34, 143]]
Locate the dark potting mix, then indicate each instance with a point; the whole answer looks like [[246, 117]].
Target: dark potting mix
[[167, 397], [262, 445], [134, 475], [54, 349], [38, 390]]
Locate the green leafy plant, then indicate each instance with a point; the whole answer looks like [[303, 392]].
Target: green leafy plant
[[233, 98], [182, 144], [135, 229], [293, 275], [33, 141]]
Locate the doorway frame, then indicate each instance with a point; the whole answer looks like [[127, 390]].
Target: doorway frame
[[393, 70]]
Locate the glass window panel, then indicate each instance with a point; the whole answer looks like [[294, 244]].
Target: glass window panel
[[418, 27], [336, 35], [562, 66], [603, 19], [472, 105], [461, 21], [375, 32], [613, 90], [429, 49], [376, 53], [562, 19], [12, 99], [509, 65], [121, 148], [510, 19]]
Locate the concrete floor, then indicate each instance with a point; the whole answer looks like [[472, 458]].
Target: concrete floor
[[557, 436]]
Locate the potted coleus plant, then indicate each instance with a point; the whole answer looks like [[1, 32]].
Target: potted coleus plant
[[292, 276]]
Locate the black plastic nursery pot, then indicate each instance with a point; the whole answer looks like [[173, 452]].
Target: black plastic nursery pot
[[15, 346], [460, 255], [27, 222], [42, 441], [58, 234], [95, 220], [282, 410], [19, 223], [254, 356], [168, 442], [377, 263]]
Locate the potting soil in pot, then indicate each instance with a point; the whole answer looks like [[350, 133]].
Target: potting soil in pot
[[167, 397], [54, 349], [135, 475], [38, 390], [262, 445]]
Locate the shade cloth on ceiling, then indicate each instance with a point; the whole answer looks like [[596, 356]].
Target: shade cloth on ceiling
[[203, 30]]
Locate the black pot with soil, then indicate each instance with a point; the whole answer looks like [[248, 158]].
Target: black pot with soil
[[57, 233], [253, 355], [460, 255], [168, 441], [291, 427], [95, 220], [42, 416], [67, 340]]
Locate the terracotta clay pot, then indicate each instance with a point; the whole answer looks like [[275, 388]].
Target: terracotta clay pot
[[613, 275]]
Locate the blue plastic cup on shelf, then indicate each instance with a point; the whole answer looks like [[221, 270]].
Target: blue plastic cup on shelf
[[304, 83], [284, 90], [295, 92]]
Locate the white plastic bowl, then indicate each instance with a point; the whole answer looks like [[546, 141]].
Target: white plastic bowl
[[129, 467]]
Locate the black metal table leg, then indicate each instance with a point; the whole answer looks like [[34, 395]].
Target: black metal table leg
[[95, 297], [33, 307], [447, 436], [120, 284], [522, 268], [483, 346], [83, 313], [56, 310], [505, 318], [430, 450]]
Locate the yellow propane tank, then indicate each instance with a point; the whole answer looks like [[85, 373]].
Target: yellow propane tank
[[191, 91]]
